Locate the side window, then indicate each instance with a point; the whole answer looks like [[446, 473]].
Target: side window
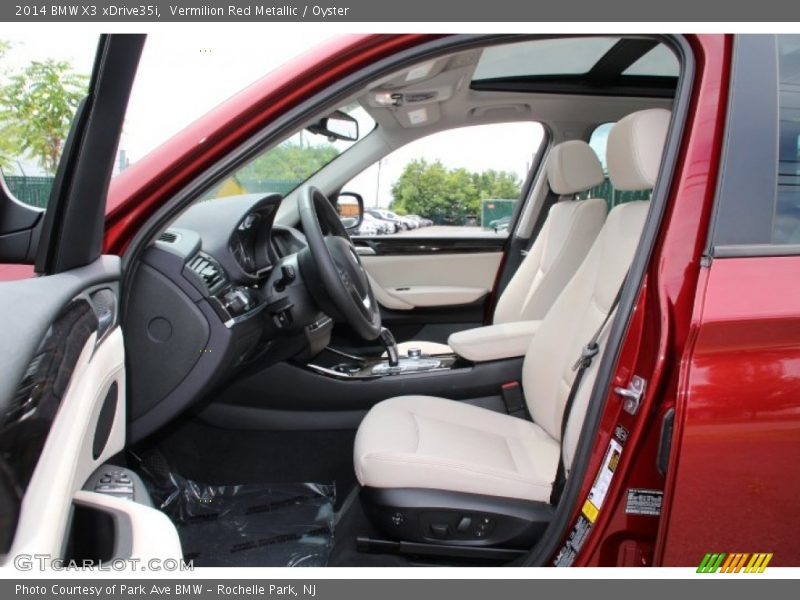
[[786, 226], [462, 182], [758, 202], [598, 142]]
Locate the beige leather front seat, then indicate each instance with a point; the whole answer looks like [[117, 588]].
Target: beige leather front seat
[[565, 238], [429, 443]]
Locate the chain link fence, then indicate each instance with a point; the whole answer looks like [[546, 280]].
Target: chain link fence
[[33, 191]]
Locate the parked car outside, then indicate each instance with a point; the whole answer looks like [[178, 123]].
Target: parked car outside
[[420, 221], [383, 227], [500, 225], [367, 227], [393, 225]]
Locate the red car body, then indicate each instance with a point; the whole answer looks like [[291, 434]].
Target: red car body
[[716, 341]]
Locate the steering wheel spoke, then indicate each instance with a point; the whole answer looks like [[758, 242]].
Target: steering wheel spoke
[[334, 263]]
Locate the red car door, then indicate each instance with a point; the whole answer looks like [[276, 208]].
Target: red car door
[[732, 482]]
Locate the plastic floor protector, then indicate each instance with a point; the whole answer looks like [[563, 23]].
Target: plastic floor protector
[[252, 525]]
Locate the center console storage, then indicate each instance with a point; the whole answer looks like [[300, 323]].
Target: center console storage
[[342, 365]]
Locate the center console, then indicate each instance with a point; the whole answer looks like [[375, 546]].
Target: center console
[[342, 364], [354, 367]]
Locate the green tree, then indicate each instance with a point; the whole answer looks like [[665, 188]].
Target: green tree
[[6, 147], [290, 160], [497, 184], [432, 190], [36, 108]]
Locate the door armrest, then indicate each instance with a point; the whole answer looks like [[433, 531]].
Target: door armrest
[[494, 342]]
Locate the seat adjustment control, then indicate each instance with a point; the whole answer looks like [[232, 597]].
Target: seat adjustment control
[[440, 530], [464, 523]]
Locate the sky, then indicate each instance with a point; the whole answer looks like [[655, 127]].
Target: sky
[[184, 73]]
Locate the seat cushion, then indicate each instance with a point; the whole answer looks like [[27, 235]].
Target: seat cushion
[[434, 443]]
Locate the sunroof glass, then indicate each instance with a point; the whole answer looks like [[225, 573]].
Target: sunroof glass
[[660, 62], [567, 56]]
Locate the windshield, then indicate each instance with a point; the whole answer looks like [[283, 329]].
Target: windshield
[[286, 166]]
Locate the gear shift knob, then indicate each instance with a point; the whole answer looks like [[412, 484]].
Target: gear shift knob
[[391, 347]]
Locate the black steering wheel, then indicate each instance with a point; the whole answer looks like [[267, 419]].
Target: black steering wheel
[[332, 269]]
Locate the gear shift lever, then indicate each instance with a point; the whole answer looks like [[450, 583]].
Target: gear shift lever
[[391, 347]]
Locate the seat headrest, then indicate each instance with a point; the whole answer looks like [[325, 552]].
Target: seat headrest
[[634, 149], [573, 167]]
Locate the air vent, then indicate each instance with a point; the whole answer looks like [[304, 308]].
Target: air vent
[[168, 237], [208, 271]]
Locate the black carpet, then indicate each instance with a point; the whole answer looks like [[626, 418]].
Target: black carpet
[[226, 457]]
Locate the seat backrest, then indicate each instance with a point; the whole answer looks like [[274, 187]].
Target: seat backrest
[[634, 150], [565, 238]]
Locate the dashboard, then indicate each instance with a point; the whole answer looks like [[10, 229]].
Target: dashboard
[[219, 290]]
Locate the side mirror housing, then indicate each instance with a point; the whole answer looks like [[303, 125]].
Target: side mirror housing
[[350, 207]]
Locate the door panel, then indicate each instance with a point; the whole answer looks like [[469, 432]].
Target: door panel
[[736, 453], [63, 410], [404, 282], [62, 363], [428, 288], [66, 364], [68, 457]]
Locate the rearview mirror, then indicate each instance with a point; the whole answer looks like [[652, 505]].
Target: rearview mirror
[[350, 207], [337, 126]]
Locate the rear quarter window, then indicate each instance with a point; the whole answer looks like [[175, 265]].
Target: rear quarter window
[[786, 228], [758, 199]]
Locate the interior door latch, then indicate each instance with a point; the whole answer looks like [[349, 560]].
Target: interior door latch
[[632, 395]]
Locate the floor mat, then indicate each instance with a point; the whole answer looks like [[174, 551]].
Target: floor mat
[[275, 525], [225, 456]]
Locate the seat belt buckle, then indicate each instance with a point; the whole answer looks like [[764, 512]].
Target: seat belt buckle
[[513, 398]]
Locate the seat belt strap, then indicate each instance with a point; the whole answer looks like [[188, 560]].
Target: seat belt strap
[[590, 350]]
